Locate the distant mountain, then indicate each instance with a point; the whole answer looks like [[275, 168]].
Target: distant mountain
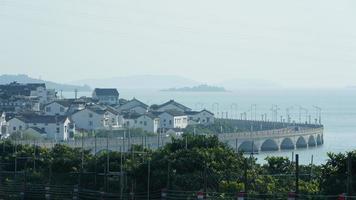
[[22, 78], [140, 82], [199, 88]]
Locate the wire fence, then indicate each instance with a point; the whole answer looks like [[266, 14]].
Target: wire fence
[[73, 192]]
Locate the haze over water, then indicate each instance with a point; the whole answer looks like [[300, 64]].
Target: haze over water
[[338, 115]]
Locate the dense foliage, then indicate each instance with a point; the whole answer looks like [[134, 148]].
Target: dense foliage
[[191, 163]]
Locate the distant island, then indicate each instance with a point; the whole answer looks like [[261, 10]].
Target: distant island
[[23, 78], [199, 88]]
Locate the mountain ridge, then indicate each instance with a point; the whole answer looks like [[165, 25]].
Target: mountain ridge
[[23, 78]]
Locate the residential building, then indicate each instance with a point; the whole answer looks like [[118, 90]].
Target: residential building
[[96, 117], [173, 119], [58, 107], [108, 96], [133, 105], [172, 105], [148, 122], [3, 125], [55, 127], [31, 89], [204, 117], [19, 103]]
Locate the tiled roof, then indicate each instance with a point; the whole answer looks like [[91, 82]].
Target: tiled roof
[[140, 103], [181, 106], [63, 102], [106, 92], [33, 118], [197, 112]]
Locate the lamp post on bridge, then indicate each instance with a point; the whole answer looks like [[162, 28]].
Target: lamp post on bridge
[[318, 113]]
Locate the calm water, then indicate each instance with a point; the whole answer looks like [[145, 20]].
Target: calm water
[[338, 114]]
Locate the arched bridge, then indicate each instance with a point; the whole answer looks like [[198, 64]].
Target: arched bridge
[[269, 140], [274, 140]]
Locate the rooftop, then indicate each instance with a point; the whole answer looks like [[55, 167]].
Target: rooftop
[[106, 92], [172, 102]]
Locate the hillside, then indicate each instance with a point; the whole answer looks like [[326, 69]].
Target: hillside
[[22, 78]]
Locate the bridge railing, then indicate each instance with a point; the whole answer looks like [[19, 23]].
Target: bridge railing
[[153, 142], [270, 133]]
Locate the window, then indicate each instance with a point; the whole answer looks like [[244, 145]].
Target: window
[[90, 123], [48, 109], [170, 121], [14, 128], [208, 119], [61, 109], [20, 127], [90, 115], [135, 121], [57, 130], [145, 123], [140, 122]]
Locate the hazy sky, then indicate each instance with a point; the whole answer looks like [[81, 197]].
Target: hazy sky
[[292, 42]]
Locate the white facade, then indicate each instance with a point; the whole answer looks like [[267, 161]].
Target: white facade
[[168, 120], [147, 123], [3, 125], [57, 131], [203, 117], [44, 95], [55, 108], [91, 120]]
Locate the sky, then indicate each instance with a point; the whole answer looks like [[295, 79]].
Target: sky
[[306, 43]]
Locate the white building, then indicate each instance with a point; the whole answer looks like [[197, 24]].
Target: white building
[[58, 107], [3, 125], [172, 105], [30, 90], [108, 96], [133, 105], [147, 122], [204, 117], [97, 118], [173, 119], [44, 95], [55, 127]]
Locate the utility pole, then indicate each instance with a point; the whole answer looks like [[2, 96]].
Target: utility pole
[[107, 163], [121, 175], [148, 178], [297, 175], [349, 174]]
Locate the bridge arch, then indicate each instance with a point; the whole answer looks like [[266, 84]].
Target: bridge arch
[[269, 145], [311, 141], [301, 142], [287, 143], [248, 147]]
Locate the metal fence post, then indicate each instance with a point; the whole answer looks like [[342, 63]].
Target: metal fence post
[[75, 192], [47, 193]]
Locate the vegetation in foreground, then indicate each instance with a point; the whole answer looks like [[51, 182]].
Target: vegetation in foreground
[[192, 163]]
